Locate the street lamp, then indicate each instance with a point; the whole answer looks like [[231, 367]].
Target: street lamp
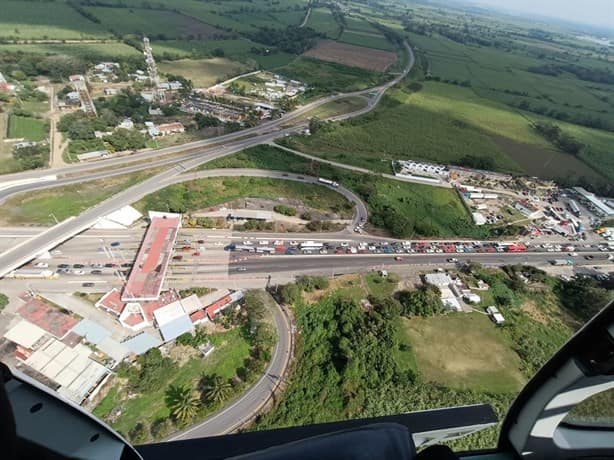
[[54, 218]]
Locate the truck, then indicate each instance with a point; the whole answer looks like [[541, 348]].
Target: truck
[[560, 262], [311, 245], [328, 182]]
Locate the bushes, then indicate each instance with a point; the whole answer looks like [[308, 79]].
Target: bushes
[[285, 210], [4, 301], [425, 301]]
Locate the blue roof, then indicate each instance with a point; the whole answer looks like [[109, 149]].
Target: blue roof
[[139, 344], [176, 327], [91, 331]]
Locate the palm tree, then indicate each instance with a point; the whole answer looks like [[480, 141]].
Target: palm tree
[[182, 402], [214, 388]]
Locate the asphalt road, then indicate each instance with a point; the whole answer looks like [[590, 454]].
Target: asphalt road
[[243, 409]]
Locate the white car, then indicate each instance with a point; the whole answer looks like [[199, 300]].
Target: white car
[[573, 254], [247, 243], [42, 265], [263, 243], [78, 272]]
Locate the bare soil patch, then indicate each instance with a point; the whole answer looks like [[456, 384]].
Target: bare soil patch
[[352, 55]]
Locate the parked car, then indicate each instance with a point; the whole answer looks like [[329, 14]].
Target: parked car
[[114, 244], [88, 285]]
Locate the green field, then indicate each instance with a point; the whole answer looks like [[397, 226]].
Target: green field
[[234, 49], [334, 108], [53, 20], [366, 39], [31, 129], [82, 50], [230, 351], [153, 23], [464, 351], [359, 25], [203, 193], [322, 20], [203, 72]]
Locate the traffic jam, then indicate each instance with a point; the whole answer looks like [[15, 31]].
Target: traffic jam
[[280, 247]]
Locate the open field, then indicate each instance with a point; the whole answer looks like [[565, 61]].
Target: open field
[[153, 23], [321, 20], [351, 55], [368, 40], [203, 72], [106, 50], [45, 20], [204, 193], [328, 77], [464, 351], [359, 25], [31, 129], [230, 351], [34, 208]]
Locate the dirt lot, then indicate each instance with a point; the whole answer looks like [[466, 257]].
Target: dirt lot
[[352, 55]]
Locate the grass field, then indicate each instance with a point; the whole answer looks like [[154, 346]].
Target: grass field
[[35, 208], [154, 23], [203, 72], [230, 351], [203, 193], [464, 351], [107, 50], [321, 20], [31, 129], [45, 20], [366, 39]]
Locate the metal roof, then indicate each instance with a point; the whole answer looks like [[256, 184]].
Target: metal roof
[[91, 331], [25, 334], [176, 327], [139, 344]]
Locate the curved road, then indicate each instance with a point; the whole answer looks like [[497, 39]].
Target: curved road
[[250, 403]]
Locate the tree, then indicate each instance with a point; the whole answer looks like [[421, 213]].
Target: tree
[[290, 293], [314, 124], [138, 434], [4, 301], [181, 402], [214, 388]]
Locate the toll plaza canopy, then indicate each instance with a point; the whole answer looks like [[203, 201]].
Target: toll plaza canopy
[[149, 270]]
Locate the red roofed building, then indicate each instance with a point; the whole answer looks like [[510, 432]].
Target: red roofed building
[[111, 302], [147, 275], [47, 317], [170, 128]]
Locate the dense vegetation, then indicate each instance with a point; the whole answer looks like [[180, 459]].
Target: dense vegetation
[[4, 301], [354, 360]]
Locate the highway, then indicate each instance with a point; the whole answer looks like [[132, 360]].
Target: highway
[[192, 149], [17, 256]]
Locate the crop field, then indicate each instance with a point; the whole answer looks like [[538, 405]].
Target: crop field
[[107, 50], [45, 20], [352, 55], [203, 72], [325, 77], [359, 25], [464, 351], [400, 129], [154, 23], [336, 107], [31, 129], [504, 77], [321, 20], [367, 40]]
